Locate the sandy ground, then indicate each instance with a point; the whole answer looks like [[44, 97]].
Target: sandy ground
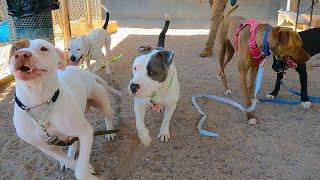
[[284, 145]]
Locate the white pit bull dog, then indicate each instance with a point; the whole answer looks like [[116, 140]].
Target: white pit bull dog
[[86, 48], [50, 104], [155, 83]]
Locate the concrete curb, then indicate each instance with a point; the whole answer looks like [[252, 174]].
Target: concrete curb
[[6, 80]]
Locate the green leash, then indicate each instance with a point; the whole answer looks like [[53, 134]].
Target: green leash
[[154, 96]]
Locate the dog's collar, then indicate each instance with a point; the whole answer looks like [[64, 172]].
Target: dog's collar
[[23, 107], [51, 139], [266, 49], [154, 96]]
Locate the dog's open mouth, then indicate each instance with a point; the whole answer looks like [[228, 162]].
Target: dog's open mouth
[[25, 69], [26, 73], [289, 61]]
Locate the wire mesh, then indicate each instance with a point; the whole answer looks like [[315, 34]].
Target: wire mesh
[[77, 15]]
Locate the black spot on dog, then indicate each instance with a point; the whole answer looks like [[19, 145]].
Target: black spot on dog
[[158, 65]]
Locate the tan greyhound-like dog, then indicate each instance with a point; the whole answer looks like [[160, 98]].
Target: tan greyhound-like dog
[[283, 42]]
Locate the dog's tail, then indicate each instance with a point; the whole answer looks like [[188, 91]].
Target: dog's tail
[[230, 11], [107, 17], [162, 35], [106, 85]]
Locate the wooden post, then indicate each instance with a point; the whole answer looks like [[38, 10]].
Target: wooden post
[[99, 9], [65, 22], [297, 17], [292, 5], [89, 15]]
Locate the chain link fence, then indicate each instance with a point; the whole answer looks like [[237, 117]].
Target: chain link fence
[[3, 10], [77, 15]]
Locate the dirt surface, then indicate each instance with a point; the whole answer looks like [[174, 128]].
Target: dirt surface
[[283, 145]]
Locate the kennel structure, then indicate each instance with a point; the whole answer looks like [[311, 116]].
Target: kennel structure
[[312, 6], [300, 14], [79, 17], [73, 18]]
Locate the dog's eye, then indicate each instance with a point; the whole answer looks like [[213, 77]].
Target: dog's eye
[[13, 49], [134, 68], [44, 49], [79, 49], [68, 49]]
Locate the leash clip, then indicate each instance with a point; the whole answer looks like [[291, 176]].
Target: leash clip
[[53, 140]]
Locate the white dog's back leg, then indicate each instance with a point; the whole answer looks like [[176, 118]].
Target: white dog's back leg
[[87, 64], [107, 59], [99, 58], [104, 104]]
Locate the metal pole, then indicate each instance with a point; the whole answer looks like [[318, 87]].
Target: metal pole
[[297, 18], [311, 14]]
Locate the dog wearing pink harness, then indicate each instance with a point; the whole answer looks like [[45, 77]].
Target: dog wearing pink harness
[[255, 52]]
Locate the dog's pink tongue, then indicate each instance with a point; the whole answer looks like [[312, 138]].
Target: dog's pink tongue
[[291, 63]]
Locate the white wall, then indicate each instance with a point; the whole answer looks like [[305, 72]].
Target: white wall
[[190, 9]]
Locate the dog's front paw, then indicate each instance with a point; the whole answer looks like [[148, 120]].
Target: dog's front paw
[[89, 174], [306, 105], [145, 138], [269, 96], [62, 166], [92, 171], [219, 77], [253, 121], [93, 177], [227, 92], [164, 136], [109, 137], [108, 70], [255, 100]]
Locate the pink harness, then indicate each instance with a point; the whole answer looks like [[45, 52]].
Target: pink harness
[[255, 52]]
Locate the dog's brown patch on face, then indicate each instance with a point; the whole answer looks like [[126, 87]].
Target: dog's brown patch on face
[[24, 43], [287, 43]]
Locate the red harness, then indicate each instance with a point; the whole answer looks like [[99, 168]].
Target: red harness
[[255, 52]]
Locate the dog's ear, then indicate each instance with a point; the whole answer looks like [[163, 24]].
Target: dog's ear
[[144, 49], [62, 59], [167, 58], [280, 36]]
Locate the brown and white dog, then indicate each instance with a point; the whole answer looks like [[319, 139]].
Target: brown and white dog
[[52, 102], [283, 42]]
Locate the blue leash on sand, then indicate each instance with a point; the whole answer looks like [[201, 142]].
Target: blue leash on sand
[[313, 99], [194, 98]]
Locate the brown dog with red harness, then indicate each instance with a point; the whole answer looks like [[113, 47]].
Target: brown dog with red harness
[[246, 38]]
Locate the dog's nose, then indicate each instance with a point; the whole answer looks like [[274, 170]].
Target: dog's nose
[[22, 54], [134, 87], [73, 58]]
